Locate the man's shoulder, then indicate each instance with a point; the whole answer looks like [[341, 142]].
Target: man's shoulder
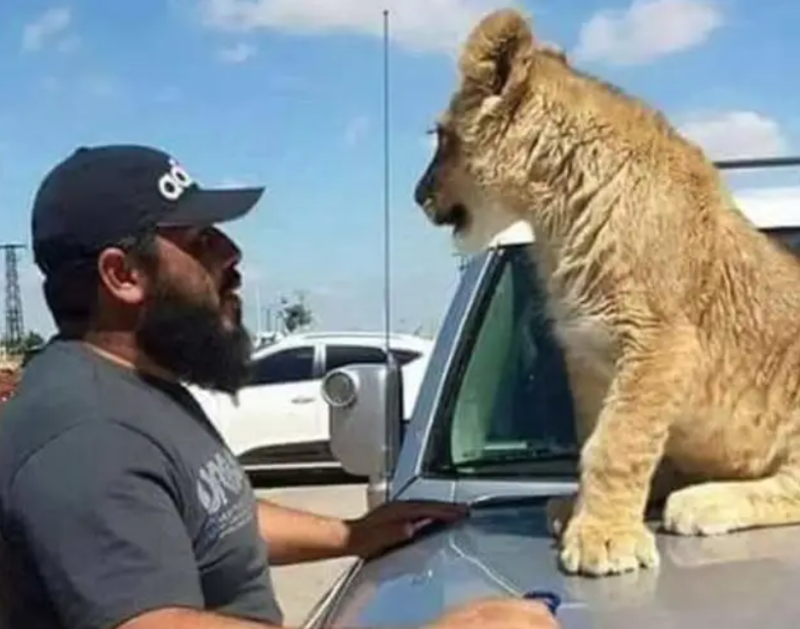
[[63, 389]]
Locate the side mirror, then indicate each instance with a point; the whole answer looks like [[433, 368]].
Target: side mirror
[[365, 422]]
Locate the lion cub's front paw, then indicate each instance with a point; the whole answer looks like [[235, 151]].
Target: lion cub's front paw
[[593, 547]]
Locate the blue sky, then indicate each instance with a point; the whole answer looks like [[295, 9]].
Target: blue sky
[[287, 93]]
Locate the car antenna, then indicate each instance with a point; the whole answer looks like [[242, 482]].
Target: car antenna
[[386, 217], [391, 443]]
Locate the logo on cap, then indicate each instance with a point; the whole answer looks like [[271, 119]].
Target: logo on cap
[[173, 183]]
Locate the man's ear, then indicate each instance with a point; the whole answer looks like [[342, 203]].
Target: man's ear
[[119, 278], [495, 48]]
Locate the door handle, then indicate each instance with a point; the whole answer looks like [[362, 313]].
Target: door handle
[[302, 400]]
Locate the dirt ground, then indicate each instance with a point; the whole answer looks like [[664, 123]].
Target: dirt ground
[[299, 587], [8, 380]]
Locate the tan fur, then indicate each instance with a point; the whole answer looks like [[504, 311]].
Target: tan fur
[[679, 319]]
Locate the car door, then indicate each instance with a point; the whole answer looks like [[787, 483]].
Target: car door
[[281, 406]]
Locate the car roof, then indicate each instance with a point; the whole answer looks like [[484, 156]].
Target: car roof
[[771, 207]]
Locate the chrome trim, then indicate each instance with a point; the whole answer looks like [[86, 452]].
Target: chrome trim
[[328, 604]]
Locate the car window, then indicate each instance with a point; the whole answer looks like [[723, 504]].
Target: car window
[[788, 236], [511, 404], [337, 356], [290, 365]]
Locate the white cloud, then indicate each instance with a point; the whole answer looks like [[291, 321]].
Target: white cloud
[[430, 143], [418, 25], [237, 54], [735, 134], [646, 30], [49, 25], [69, 44], [35, 314], [355, 130], [237, 182]]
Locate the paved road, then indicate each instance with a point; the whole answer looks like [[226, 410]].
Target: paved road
[[299, 587]]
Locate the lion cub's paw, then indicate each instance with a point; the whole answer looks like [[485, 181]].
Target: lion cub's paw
[[559, 512], [710, 509], [598, 548]]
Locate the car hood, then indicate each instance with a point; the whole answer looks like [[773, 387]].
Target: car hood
[[741, 580]]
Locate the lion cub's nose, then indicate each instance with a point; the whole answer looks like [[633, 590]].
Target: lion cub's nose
[[424, 188]]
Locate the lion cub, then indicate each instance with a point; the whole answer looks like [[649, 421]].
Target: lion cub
[[680, 321]]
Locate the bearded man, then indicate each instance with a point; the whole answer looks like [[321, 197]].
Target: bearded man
[[120, 504]]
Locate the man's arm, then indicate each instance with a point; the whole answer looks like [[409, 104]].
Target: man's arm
[[490, 613], [177, 618], [296, 536]]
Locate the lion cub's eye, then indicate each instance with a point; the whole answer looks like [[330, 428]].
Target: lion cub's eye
[[444, 136]]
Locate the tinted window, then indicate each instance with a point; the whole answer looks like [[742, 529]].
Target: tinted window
[[337, 356], [510, 412], [788, 236], [340, 355], [290, 365]]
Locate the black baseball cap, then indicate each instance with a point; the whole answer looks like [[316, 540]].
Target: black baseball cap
[[100, 195]]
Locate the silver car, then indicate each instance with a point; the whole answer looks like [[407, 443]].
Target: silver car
[[493, 427]]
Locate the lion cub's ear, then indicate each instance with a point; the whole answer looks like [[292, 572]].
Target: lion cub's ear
[[553, 50], [494, 47]]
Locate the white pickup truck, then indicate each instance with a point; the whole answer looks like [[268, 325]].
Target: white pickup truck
[[279, 421]]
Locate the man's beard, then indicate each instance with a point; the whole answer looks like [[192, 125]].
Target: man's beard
[[188, 338]]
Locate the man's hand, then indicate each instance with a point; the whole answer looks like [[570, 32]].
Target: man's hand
[[297, 536], [497, 613], [393, 523]]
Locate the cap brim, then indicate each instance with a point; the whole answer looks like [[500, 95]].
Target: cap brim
[[206, 207]]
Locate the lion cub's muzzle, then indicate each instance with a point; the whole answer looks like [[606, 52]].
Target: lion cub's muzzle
[[439, 213], [423, 192]]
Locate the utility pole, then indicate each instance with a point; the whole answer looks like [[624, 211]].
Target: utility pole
[[15, 327]]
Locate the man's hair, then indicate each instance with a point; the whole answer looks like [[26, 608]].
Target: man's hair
[[71, 291]]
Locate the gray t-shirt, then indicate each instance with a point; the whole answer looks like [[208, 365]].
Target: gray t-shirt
[[118, 496]]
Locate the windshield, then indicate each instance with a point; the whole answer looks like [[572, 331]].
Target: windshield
[[509, 412]]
